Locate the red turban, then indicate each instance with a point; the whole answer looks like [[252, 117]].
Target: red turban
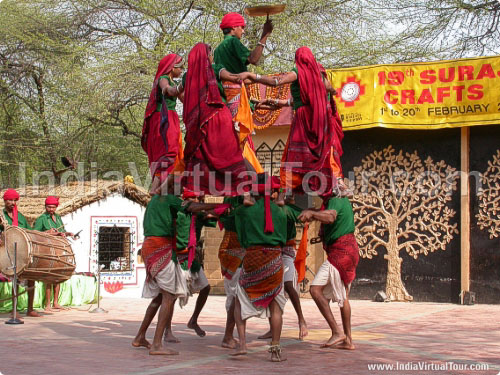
[[10, 194], [231, 20], [49, 201]]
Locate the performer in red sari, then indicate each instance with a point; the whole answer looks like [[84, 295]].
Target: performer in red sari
[[212, 144], [161, 132], [310, 141]]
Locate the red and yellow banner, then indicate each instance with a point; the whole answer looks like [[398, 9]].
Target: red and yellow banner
[[419, 95]]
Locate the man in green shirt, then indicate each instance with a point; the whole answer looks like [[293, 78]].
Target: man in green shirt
[[51, 222], [333, 279], [262, 231], [12, 217]]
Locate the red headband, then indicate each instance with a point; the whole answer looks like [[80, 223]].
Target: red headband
[[52, 201], [231, 20], [10, 194]]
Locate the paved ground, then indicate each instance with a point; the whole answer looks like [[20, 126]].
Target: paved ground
[[424, 337]]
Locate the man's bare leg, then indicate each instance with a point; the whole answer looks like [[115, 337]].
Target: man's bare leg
[[140, 338], [57, 288], [166, 310], [276, 326], [323, 306], [169, 336], [241, 326], [48, 293], [268, 334], [200, 303], [294, 297], [345, 312], [31, 297], [228, 340]]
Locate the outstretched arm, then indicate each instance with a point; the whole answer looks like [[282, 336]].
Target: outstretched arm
[[168, 90], [324, 216]]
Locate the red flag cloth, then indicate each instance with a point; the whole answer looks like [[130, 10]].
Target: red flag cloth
[[192, 241], [231, 20], [52, 201], [12, 195], [300, 258]]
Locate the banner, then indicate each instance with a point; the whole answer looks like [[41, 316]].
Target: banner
[[432, 95]]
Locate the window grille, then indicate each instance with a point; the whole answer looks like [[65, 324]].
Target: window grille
[[114, 248], [270, 158]]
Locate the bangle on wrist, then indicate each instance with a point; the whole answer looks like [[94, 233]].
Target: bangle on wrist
[[288, 102], [257, 77]]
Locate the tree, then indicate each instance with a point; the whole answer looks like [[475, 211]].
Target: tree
[[446, 28], [489, 198], [402, 204]]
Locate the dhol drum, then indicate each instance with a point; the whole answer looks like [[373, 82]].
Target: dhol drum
[[40, 256]]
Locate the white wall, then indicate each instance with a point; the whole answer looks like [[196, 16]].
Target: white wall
[[112, 210]]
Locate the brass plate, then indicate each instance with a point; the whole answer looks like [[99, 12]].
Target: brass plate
[[265, 10]]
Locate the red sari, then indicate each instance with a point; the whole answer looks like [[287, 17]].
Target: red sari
[[310, 139], [212, 143], [161, 131]]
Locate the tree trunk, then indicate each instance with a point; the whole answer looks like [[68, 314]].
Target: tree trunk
[[394, 287]]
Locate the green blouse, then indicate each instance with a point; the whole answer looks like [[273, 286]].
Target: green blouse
[[170, 100]]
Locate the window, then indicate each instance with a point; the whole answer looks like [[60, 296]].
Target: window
[[270, 158], [114, 246]]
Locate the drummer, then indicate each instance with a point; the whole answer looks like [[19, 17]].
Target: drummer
[[13, 217], [51, 222]]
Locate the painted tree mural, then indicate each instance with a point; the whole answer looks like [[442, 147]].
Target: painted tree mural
[[489, 198], [401, 203]]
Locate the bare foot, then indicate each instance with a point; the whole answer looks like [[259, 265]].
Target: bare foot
[[197, 329], [303, 331], [169, 337], [59, 307], [346, 345], [265, 336], [277, 355], [161, 350], [230, 343], [33, 314], [137, 343], [51, 309], [242, 350], [335, 339]]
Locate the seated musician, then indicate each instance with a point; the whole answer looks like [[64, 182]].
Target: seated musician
[[51, 222], [12, 217]]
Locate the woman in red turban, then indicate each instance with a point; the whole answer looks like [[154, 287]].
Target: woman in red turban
[[161, 132]]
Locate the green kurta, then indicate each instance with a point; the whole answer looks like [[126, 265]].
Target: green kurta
[[45, 223], [344, 224], [170, 100], [160, 214], [228, 220], [292, 213], [251, 221], [21, 220], [232, 54]]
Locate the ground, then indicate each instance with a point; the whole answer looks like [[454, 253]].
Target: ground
[[425, 334]]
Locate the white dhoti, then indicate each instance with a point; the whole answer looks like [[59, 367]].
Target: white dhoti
[[230, 287], [169, 279], [195, 281], [249, 310], [335, 290]]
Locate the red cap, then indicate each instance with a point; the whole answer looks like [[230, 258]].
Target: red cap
[[231, 20], [10, 194]]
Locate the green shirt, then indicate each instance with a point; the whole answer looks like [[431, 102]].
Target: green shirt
[[292, 213], [295, 91], [251, 221], [228, 220], [45, 223], [21, 220], [232, 55], [160, 214], [170, 100], [343, 224]]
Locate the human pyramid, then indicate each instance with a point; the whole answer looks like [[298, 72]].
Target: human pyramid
[[258, 214]]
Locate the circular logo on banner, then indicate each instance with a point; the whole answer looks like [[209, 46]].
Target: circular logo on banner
[[350, 92]]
